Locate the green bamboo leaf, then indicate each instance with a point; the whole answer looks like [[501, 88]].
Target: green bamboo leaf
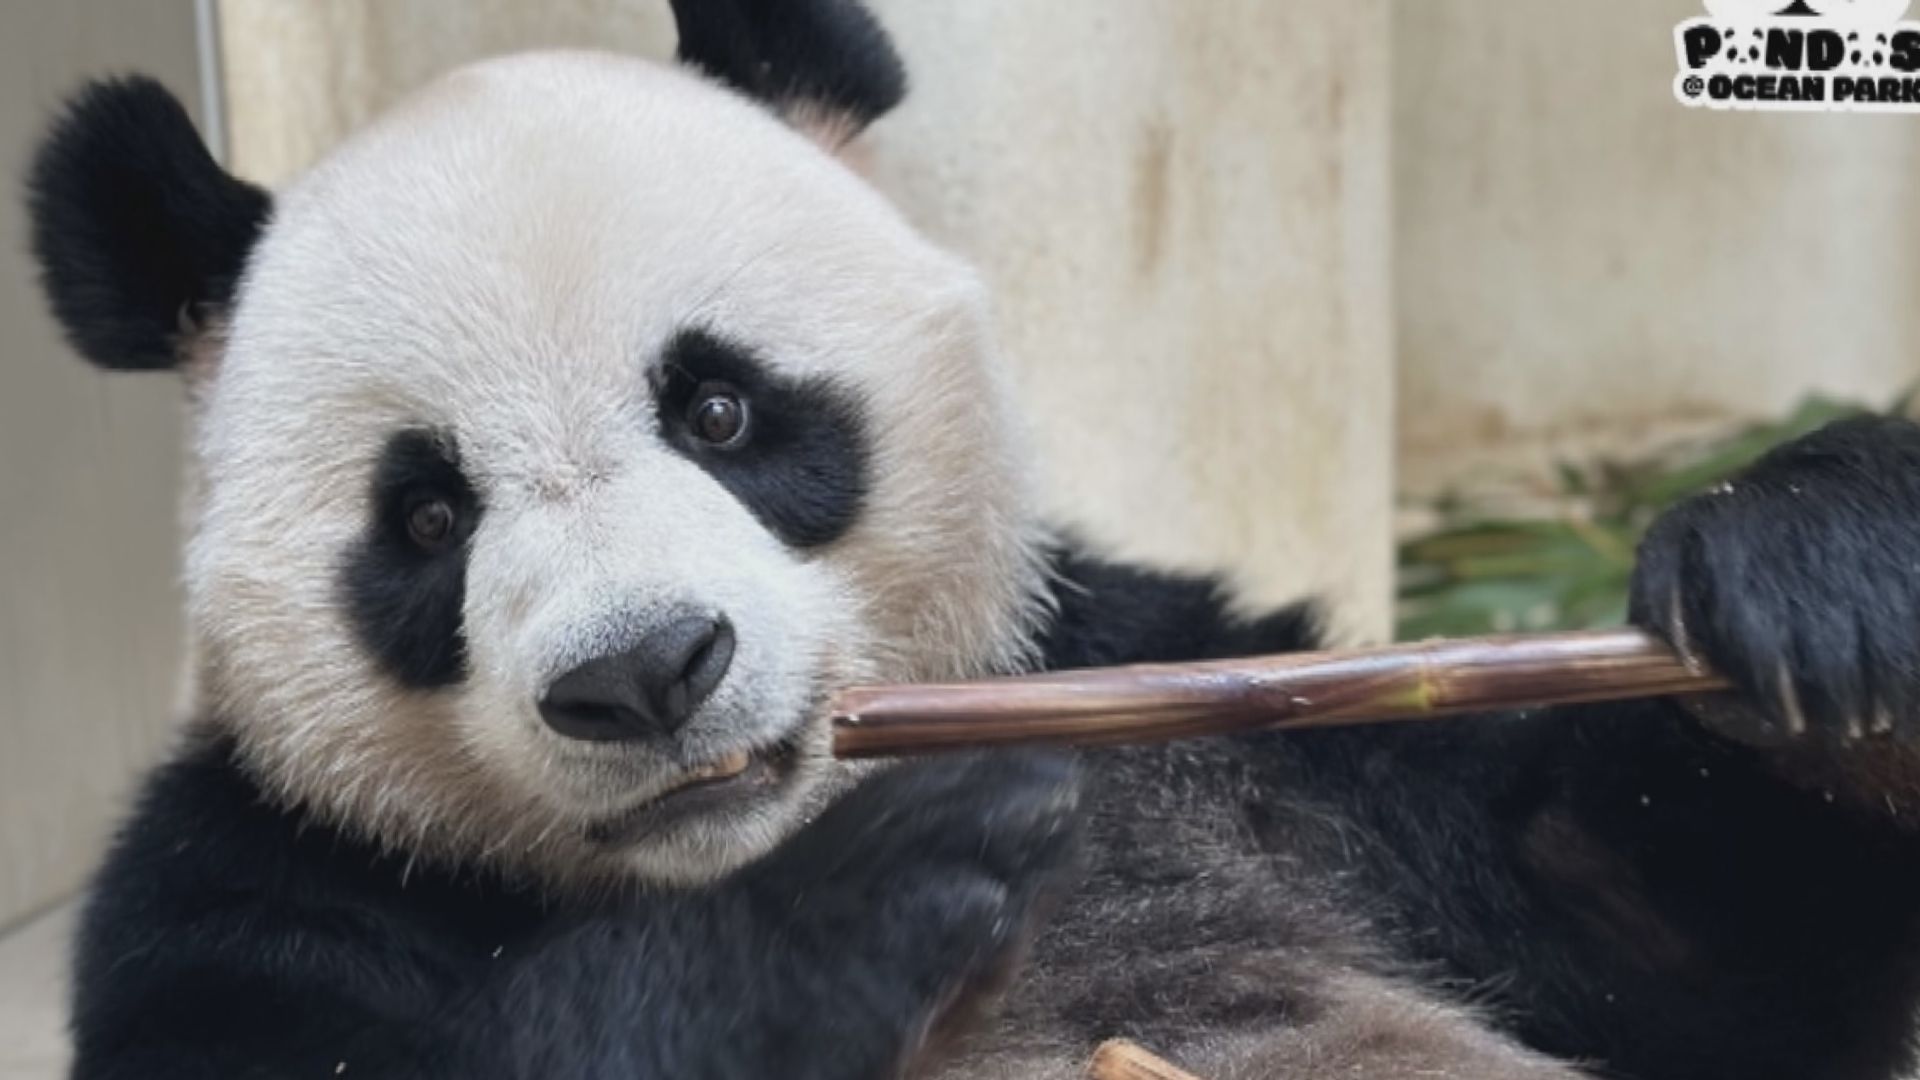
[[1486, 571]]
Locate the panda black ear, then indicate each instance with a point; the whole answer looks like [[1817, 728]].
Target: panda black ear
[[825, 65], [140, 235]]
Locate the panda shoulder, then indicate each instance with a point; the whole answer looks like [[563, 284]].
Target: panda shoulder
[[206, 866], [1112, 612], [198, 817]]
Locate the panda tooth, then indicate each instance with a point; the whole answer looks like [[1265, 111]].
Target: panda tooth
[[732, 765]]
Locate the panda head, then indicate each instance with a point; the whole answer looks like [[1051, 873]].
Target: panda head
[[561, 441]]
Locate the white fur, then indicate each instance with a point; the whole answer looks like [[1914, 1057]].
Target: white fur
[[502, 257]]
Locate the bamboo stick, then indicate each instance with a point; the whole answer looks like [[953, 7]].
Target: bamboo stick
[[1118, 1059], [1153, 702]]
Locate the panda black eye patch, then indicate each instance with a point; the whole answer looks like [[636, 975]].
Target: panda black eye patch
[[793, 451], [405, 580]]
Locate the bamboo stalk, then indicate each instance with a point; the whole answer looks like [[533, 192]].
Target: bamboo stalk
[[1152, 702], [1118, 1059]]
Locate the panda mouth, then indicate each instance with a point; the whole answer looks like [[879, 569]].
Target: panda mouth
[[715, 786]]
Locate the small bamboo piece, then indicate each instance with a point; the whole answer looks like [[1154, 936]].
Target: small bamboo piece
[[1118, 1059], [1153, 702]]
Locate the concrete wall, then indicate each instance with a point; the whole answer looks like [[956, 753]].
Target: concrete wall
[[1183, 208], [1577, 251], [89, 641]]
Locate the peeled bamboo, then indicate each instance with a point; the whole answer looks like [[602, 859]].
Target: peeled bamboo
[[1152, 702]]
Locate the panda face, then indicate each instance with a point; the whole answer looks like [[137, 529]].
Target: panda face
[[577, 429]]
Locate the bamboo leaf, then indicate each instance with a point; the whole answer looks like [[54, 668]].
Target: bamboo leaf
[[1569, 567]]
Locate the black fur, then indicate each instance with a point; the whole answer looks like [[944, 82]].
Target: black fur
[[134, 224], [802, 467], [828, 55], [223, 939], [405, 602], [1615, 884], [1109, 613]]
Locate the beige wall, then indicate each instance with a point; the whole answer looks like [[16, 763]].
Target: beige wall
[[1575, 250], [1183, 209], [89, 642]]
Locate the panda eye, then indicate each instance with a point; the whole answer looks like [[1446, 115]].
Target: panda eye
[[430, 523], [718, 415]]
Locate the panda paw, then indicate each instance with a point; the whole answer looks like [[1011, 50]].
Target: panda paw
[[1800, 582], [924, 881]]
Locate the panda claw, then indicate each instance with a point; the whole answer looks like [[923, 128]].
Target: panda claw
[[1790, 710], [1677, 633]]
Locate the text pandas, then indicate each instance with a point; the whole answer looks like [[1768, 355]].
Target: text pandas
[[1787, 64]]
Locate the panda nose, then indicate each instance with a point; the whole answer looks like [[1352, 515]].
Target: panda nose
[[649, 689]]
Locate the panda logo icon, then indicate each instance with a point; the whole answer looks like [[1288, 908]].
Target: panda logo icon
[[1840, 12]]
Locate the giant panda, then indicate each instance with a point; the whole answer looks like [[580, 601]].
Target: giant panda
[[567, 436]]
